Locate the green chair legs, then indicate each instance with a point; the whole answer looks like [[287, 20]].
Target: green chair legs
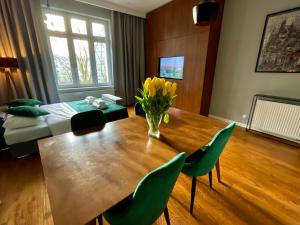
[[100, 220], [194, 184], [167, 217]]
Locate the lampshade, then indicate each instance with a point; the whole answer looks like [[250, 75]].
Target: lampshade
[[205, 12], [8, 63]]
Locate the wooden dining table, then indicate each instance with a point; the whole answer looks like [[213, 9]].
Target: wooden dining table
[[89, 172]]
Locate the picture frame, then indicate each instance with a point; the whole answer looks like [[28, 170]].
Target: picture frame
[[279, 50], [171, 67]]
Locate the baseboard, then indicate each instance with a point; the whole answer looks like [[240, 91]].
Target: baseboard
[[227, 120]]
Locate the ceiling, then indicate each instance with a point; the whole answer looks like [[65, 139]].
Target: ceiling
[[133, 7], [143, 6]]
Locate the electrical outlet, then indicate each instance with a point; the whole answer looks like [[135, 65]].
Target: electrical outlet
[[244, 116]]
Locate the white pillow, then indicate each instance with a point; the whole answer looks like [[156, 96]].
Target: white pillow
[[15, 122]]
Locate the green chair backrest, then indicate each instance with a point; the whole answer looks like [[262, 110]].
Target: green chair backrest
[[138, 108], [87, 119], [152, 193], [205, 161]]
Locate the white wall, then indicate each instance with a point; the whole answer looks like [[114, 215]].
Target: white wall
[[72, 5], [235, 79], [72, 96]]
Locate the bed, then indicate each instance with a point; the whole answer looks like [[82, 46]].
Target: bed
[[56, 123], [15, 136]]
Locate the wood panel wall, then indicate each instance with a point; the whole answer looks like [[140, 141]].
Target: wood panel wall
[[170, 31]]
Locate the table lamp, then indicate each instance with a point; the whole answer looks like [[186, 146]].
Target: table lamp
[[9, 63]]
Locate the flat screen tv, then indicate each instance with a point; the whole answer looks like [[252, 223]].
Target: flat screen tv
[[171, 67]]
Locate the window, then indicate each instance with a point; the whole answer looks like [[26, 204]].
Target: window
[[80, 49]]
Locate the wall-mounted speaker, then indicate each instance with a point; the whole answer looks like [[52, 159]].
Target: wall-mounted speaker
[[205, 12]]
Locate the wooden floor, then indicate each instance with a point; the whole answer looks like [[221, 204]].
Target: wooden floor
[[261, 185]]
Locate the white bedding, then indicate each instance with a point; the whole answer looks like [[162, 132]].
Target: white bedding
[[15, 136], [56, 123], [59, 119]]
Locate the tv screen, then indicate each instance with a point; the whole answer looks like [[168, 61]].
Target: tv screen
[[171, 67]]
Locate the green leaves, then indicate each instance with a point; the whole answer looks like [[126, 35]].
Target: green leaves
[[139, 99]]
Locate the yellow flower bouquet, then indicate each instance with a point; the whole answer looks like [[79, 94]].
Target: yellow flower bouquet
[[157, 96]]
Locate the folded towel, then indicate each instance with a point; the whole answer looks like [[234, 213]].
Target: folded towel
[[90, 99], [99, 104]]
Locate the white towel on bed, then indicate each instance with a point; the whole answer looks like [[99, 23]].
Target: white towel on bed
[[59, 119]]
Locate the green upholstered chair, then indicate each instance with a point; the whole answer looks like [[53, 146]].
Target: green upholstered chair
[[203, 161], [150, 197], [87, 119], [139, 111]]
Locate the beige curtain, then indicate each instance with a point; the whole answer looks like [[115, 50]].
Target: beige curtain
[[7, 77], [129, 55], [22, 36]]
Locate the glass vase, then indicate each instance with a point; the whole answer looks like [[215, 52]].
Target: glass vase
[[154, 121]]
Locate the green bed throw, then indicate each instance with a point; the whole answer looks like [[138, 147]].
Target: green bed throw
[[112, 112], [83, 106]]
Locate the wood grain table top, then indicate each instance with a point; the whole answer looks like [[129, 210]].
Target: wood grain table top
[[89, 172]]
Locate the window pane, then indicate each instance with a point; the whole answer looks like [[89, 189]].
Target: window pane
[[78, 26], [83, 61], [55, 22], [61, 57], [98, 29], [101, 62]]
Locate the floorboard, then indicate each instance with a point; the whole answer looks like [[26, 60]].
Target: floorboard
[[260, 185]]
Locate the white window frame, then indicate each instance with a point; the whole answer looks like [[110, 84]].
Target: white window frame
[[67, 15]]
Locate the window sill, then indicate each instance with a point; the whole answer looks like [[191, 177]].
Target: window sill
[[83, 89]]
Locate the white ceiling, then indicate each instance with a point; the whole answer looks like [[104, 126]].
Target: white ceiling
[[143, 6], [133, 7]]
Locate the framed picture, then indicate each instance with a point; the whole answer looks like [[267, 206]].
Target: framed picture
[[280, 45], [171, 67]]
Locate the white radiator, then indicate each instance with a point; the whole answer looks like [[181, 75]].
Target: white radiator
[[277, 119]]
